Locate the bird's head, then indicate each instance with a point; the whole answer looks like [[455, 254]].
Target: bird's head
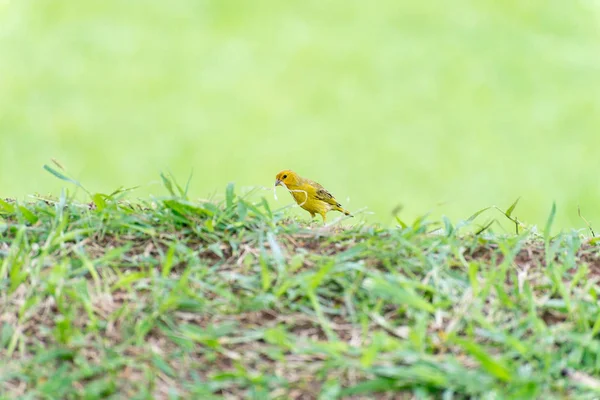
[[287, 177]]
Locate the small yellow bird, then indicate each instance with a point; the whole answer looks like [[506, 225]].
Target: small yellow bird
[[309, 194]]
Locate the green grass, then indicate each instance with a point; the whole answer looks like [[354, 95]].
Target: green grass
[[384, 103], [173, 298]]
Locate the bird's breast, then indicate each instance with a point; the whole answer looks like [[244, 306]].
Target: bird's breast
[[300, 195]]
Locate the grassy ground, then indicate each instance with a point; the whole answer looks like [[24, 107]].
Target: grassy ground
[[171, 298], [385, 103]]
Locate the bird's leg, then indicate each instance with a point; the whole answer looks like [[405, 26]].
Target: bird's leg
[[323, 216]]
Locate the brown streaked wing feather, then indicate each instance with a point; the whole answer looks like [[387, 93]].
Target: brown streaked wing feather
[[322, 193], [327, 197]]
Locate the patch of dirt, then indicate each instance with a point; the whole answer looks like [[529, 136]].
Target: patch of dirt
[[534, 256]]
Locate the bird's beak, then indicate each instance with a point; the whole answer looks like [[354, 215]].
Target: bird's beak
[[277, 182]]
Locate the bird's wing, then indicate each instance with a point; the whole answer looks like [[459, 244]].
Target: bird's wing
[[325, 196], [322, 194]]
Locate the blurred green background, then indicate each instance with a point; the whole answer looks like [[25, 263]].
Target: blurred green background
[[432, 106]]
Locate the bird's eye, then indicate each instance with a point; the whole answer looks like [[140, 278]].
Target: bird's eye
[[285, 176]]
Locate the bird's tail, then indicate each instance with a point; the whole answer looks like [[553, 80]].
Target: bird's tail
[[346, 212]]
